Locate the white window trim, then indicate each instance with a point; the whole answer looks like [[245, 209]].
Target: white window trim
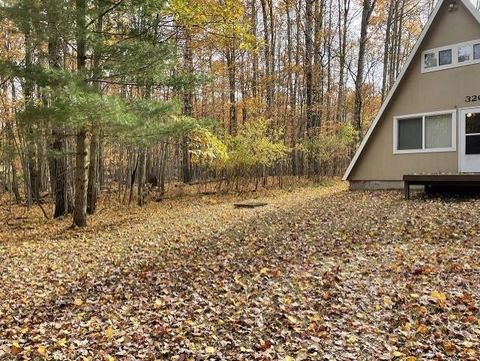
[[455, 63], [453, 148]]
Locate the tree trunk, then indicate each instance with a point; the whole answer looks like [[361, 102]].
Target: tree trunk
[[344, 9], [13, 167], [81, 179], [386, 51], [187, 106], [309, 63], [230, 56], [141, 177], [93, 170], [57, 159], [368, 6], [92, 190], [81, 159]]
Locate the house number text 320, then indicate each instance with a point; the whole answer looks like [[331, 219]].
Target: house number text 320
[[472, 98]]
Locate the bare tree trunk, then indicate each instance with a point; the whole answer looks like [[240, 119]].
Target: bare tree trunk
[[231, 66], [254, 55], [386, 50], [29, 175], [81, 159], [93, 169], [141, 177], [57, 158], [187, 107], [309, 4], [92, 187], [11, 144], [81, 180], [268, 36], [318, 71], [368, 6], [343, 11]]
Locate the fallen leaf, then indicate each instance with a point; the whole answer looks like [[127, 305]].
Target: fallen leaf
[[15, 348], [467, 344], [209, 349], [449, 347], [423, 329], [441, 298], [42, 350], [78, 302], [109, 333]]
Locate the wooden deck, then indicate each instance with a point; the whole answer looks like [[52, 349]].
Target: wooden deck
[[441, 180]]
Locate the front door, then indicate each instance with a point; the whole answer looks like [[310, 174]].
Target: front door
[[469, 157]]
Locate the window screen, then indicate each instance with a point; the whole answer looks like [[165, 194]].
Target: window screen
[[410, 134], [464, 53], [431, 60], [438, 131], [476, 51], [445, 57]]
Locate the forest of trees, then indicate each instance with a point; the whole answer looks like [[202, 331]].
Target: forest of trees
[[128, 96]]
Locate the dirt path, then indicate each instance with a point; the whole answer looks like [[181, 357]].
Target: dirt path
[[320, 273]]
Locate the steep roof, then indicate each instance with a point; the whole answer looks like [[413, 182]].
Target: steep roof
[[476, 14]]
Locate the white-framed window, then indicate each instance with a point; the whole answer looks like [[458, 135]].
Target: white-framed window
[[451, 56], [425, 133]]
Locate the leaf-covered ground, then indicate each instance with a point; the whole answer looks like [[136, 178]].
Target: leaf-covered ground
[[318, 274]]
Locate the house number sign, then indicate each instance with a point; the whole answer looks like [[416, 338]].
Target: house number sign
[[472, 98]]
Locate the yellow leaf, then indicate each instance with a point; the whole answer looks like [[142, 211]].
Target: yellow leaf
[[398, 354], [62, 342], [109, 332], [209, 349], [441, 297], [387, 301], [264, 270], [247, 350], [78, 302], [288, 358], [158, 303], [352, 339], [360, 315], [422, 309], [15, 347], [292, 319], [422, 329], [414, 295], [109, 358], [42, 350]]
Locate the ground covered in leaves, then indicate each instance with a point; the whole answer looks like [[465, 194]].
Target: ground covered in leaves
[[318, 274]]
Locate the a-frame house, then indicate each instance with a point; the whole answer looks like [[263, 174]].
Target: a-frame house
[[430, 120]]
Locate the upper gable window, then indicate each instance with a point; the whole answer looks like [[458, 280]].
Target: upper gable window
[[451, 56]]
